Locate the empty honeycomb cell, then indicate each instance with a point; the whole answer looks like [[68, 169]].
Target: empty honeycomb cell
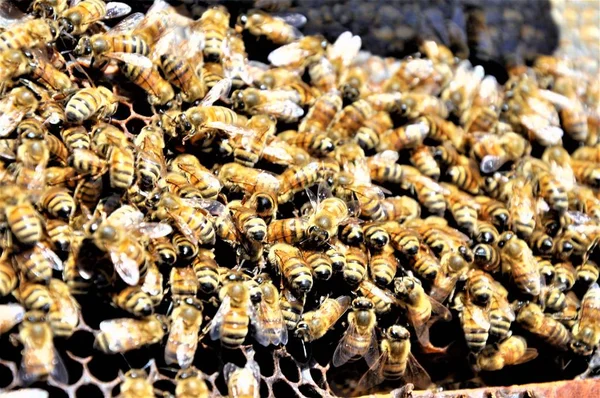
[[9, 351], [164, 386], [200, 361], [317, 376], [220, 384], [266, 362], [309, 391], [89, 391], [265, 391], [123, 112], [97, 367], [135, 125], [74, 368], [289, 369], [281, 388], [80, 344], [6, 376]]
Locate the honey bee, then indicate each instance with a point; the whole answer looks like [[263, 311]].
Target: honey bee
[[147, 77], [98, 102], [230, 323], [242, 382], [21, 32], [474, 322], [462, 207], [383, 265], [356, 264], [133, 300], [183, 282], [328, 214], [425, 263], [320, 263], [292, 308], [521, 207], [564, 276], [189, 383], [381, 298], [13, 63], [64, 312], [400, 208], [14, 106], [396, 361], [58, 202], [40, 358], [494, 211], [136, 383], [420, 308], [303, 50], [153, 284], [118, 239], [279, 30], [440, 238], [512, 351], [368, 135], [188, 218], [360, 339], [429, 193], [10, 316], [126, 334], [38, 262], [182, 342], [453, 269], [323, 76], [281, 104], [49, 8], [533, 319], [271, 315], [207, 271], [77, 19], [22, 218], [213, 25], [346, 122], [44, 72], [34, 296], [423, 160], [290, 262], [493, 150], [518, 260], [296, 179], [315, 324], [199, 176], [587, 273], [8, 276], [586, 335]]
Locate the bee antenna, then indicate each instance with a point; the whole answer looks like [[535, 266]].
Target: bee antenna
[[126, 361]]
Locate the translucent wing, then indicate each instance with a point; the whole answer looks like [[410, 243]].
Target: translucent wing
[[10, 116], [130, 58], [416, 374], [291, 18], [228, 370], [259, 331], [59, 373], [117, 9], [287, 54], [491, 163], [219, 90], [217, 321], [374, 375], [187, 345], [154, 230], [126, 267], [285, 110], [127, 24], [387, 156], [344, 350], [184, 228], [49, 255], [345, 47]]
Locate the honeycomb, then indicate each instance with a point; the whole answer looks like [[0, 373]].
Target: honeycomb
[[96, 374]]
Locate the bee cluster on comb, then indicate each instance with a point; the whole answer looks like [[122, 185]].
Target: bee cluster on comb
[[180, 219]]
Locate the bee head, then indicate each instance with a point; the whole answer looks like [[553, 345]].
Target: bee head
[[84, 47], [317, 234], [397, 332], [302, 331]]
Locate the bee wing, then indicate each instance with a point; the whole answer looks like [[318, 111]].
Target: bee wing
[[267, 181], [287, 54], [345, 47], [374, 375], [10, 315], [440, 310], [154, 230], [10, 116], [52, 257], [126, 267], [219, 90], [256, 320], [213, 207], [416, 374], [387, 156], [117, 9], [187, 343], [232, 130], [59, 373], [184, 228], [287, 110], [491, 163], [217, 321], [443, 287], [373, 353], [130, 58], [277, 152], [529, 355], [291, 18], [345, 351], [228, 370]]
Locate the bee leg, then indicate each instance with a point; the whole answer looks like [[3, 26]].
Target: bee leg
[[422, 333]]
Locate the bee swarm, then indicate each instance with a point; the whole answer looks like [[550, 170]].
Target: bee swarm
[[324, 222]]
